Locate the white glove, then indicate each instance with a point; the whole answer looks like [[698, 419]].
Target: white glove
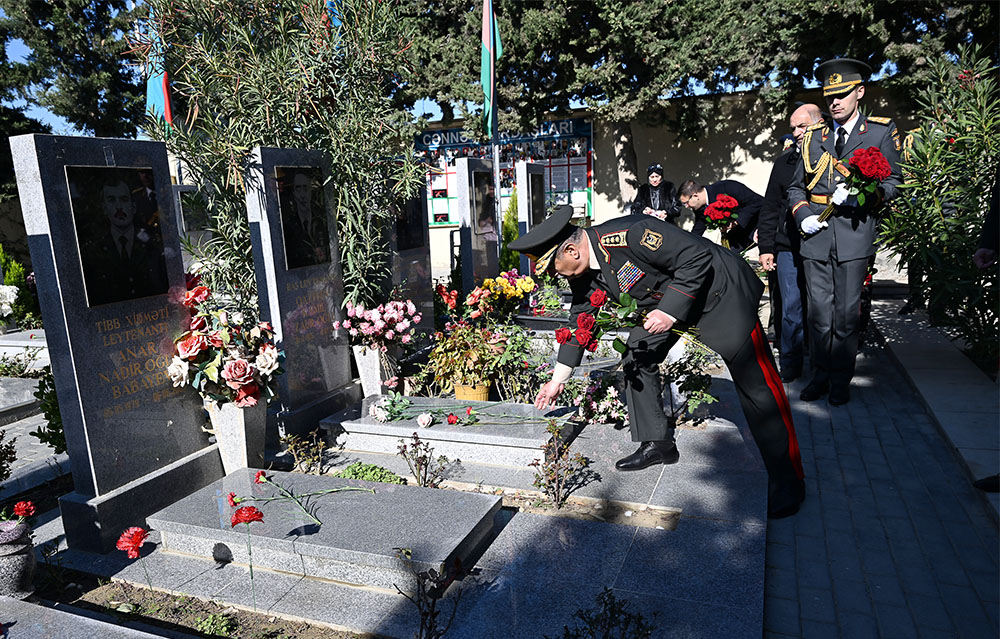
[[812, 225], [840, 195]]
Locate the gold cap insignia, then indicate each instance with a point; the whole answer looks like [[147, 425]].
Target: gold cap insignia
[[834, 78]]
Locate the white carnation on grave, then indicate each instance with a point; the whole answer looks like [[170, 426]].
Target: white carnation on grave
[[424, 420], [178, 371], [267, 359], [378, 413]]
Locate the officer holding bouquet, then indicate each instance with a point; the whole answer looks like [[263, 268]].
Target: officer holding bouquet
[[836, 250]]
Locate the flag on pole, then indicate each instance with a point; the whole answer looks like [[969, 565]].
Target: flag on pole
[[492, 50], [158, 83]]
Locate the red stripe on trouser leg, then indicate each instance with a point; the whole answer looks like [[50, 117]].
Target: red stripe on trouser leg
[[774, 383]]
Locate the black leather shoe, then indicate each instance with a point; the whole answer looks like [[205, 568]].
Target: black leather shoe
[[778, 508], [648, 454], [790, 374], [814, 391], [839, 396]]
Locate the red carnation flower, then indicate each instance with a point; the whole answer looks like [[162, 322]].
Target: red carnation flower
[[232, 500], [24, 509], [563, 335], [598, 298], [132, 540], [452, 419], [196, 296], [583, 336], [468, 409], [586, 321], [247, 515], [260, 477]]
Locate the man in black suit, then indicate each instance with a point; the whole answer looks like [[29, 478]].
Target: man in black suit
[[836, 251], [778, 238], [680, 281], [125, 263], [739, 233], [657, 197], [307, 240]]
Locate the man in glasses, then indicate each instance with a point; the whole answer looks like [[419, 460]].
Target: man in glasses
[[836, 251]]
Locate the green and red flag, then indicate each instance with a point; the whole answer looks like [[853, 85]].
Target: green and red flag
[[492, 50]]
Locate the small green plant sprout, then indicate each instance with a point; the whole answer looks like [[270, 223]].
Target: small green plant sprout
[[308, 452], [425, 468], [558, 474], [370, 472], [610, 619], [217, 624]]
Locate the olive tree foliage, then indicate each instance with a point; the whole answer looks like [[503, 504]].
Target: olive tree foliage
[[291, 74], [647, 61], [949, 169]]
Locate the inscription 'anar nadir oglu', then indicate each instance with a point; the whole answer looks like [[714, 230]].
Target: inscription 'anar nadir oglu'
[[140, 364]]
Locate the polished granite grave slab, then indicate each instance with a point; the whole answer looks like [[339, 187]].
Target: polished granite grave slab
[[359, 532], [505, 434]]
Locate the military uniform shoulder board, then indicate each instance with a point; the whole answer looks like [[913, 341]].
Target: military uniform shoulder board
[[614, 240], [879, 120], [818, 125], [651, 240]]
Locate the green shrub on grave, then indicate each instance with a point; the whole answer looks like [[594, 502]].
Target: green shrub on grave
[[370, 472], [51, 432]]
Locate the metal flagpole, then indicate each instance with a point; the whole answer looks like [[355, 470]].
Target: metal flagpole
[[498, 217]]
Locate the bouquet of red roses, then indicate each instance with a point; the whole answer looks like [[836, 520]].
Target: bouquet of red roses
[[605, 317], [722, 212], [868, 168]]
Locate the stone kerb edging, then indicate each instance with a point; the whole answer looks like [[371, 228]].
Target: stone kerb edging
[[962, 400]]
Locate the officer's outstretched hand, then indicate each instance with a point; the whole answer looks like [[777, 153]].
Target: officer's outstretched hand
[[657, 322], [812, 225], [547, 395]]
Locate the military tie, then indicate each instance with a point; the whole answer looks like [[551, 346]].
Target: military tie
[[841, 141], [124, 247]]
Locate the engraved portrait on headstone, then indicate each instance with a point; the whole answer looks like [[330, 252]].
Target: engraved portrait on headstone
[[303, 216], [121, 249]]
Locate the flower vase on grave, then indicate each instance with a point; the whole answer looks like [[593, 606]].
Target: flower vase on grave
[[480, 393], [375, 367], [17, 560], [239, 433]]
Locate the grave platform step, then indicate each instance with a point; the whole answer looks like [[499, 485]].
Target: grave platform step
[[506, 434], [355, 542]]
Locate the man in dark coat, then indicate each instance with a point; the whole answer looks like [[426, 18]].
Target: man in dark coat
[[835, 252], [696, 197], [778, 238], [680, 281], [657, 197]]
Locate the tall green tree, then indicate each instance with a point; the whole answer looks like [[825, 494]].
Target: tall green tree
[[643, 61], [77, 66], [292, 74]]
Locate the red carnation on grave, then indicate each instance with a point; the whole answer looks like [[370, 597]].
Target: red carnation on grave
[[598, 298], [583, 337], [468, 410], [563, 335], [24, 509], [452, 419], [190, 346], [260, 477], [586, 321], [247, 395], [231, 498], [247, 515], [132, 540], [196, 296]]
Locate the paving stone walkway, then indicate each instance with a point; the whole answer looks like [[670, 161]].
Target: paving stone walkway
[[892, 541]]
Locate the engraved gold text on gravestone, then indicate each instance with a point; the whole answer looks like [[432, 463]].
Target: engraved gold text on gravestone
[[135, 345], [311, 314]]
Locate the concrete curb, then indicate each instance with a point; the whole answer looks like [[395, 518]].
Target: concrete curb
[[960, 398]]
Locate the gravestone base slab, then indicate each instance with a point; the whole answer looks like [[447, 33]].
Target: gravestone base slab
[[94, 524], [506, 434], [356, 542]]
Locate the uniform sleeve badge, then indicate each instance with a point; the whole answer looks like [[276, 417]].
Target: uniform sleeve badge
[[651, 240]]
